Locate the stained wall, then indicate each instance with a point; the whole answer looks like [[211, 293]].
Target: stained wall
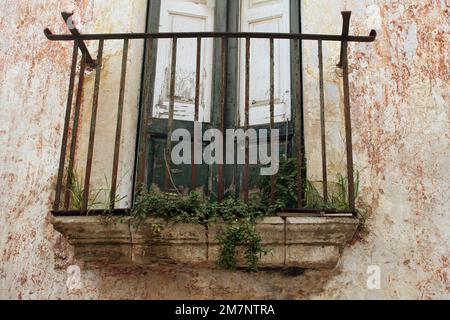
[[400, 110]]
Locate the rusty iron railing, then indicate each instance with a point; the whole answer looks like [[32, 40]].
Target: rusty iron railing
[[87, 61]]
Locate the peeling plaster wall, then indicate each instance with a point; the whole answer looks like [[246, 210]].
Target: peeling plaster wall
[[400, 109], [120, 17], [400, 104]]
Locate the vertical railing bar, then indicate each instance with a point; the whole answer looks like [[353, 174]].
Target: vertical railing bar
[[90, 154], [298, 132], [348, 133], [322, 122], [286, 141], [247, 120], [142, 157], [347, 112], [171, 114], [197, 109], [62, 158], [73, 143], [346, 15], [115, 169], [223, 86], [272, 109], [197, 79]]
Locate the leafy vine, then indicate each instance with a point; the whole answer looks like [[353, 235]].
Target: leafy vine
[[238, 219]]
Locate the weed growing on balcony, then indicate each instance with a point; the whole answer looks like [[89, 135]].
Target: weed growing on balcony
[[76, 191], [286, 192], [286, 189], [171, 206], [285, 184], [99, 198], [239, 232], [238, 219], [240, 235]]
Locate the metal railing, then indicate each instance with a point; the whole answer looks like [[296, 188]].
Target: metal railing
[[87, 61]]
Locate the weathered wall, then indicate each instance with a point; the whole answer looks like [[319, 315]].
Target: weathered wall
[[400, 105], [400, 114], [112, 17]]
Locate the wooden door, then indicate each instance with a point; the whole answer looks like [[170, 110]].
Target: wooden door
[[184, 16], [266, 16], [180, 16]]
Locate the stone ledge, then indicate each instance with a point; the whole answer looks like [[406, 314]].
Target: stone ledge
[[304, 242]]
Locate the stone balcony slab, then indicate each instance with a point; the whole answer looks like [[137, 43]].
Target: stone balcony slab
[[302, 242]]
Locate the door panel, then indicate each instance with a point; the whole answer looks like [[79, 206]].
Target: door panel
[[184, 16], [180, 16], [197, 15], [265, 16]]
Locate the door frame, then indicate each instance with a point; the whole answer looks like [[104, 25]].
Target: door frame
[[227, 19]]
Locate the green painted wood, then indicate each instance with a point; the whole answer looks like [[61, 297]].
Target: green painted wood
[[180, 174], [157, 128], [296, 69], [297, 85], [147, 84], [287, 145], [231, 171], [150, 62], [227, 18], [220, 25]]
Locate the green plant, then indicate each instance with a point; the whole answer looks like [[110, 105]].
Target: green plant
[[170, 206], [238, 218], [238, 233], [99, 199], [339, 199], [285, 184], [286, 189], [76, 191], [313, 198], [237, 236]]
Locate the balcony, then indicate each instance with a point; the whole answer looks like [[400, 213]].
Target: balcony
[[302, 242], [301, 236]]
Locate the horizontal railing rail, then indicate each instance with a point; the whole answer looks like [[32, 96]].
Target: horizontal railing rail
[[86, 60], [180, 35]]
